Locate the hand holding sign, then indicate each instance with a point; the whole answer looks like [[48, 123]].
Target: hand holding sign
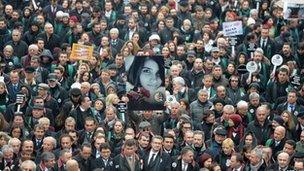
[[251, 68], [276, 60]]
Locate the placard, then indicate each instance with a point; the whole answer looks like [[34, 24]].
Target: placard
[[233, 28], [277, 60], [251, 67], [293, 9], [81, 52], [146, 83]]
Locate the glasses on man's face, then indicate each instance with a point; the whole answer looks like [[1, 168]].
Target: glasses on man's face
[[234, 80]]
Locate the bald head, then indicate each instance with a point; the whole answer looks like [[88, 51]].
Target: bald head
[[279, 133], [283, 159]]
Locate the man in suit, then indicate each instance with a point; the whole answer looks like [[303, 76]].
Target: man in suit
[[155, 159], [186, 161], [282, 162], [38, 137], [291, 104], [128, 160], [133, 27], [104, 162], [13, 86], [86, 135], [267, 44], [116, 43], [50, 11], [84, 157], [168, 145]]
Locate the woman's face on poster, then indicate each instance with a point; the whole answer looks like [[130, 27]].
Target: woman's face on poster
[[149, 76]]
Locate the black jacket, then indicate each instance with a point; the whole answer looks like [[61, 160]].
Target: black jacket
[[161, 162]]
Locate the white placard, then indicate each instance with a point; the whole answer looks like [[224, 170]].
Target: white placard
[[251, 67], [277, 60], [233, 28]]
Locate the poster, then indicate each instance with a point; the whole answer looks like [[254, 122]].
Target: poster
[[233, 28], [293, 9], [81, 52], [146, 83]]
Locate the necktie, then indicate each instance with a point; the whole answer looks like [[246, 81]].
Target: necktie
[[184, 167], [291, 108], [151, 159], [264, 43], [15, 87]]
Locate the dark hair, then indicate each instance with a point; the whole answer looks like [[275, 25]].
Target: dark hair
[[292, 143], [186, 150], [85, 144], [137, 65], [130, 143], [238, 157], [105, 146]]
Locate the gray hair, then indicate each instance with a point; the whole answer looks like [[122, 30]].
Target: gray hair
[[258, 152], [114, 30], [179, 80], [10, 47], [241, 104], [253, 11], [201, 91], [33, 46], [70, 120], [254, 95], [52, 139], [198, 132], [229, 108], [7, 148], [47, 156], [14, 140], [28, 162]]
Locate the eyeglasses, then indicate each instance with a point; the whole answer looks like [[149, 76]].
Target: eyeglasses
[[234, 80]]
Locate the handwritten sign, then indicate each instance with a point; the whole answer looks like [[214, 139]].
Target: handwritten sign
[[233, 28], [81, 52]]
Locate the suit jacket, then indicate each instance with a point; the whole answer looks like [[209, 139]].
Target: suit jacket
[[14, 165], [177, 166], [284, 106], [12, 92], [37, 145], [121, 163], [269, 49], [99, 163], [84, 165], [83, 136], [51, 15], [117, 44], [275, 167], [161, 161]]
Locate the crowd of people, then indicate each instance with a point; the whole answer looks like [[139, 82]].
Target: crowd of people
[[208, 112]]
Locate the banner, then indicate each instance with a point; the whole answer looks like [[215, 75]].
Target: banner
[[81, 52], [233, 28], [293, 9]]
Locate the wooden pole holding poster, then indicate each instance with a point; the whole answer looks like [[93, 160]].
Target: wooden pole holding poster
[[81, 52]]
